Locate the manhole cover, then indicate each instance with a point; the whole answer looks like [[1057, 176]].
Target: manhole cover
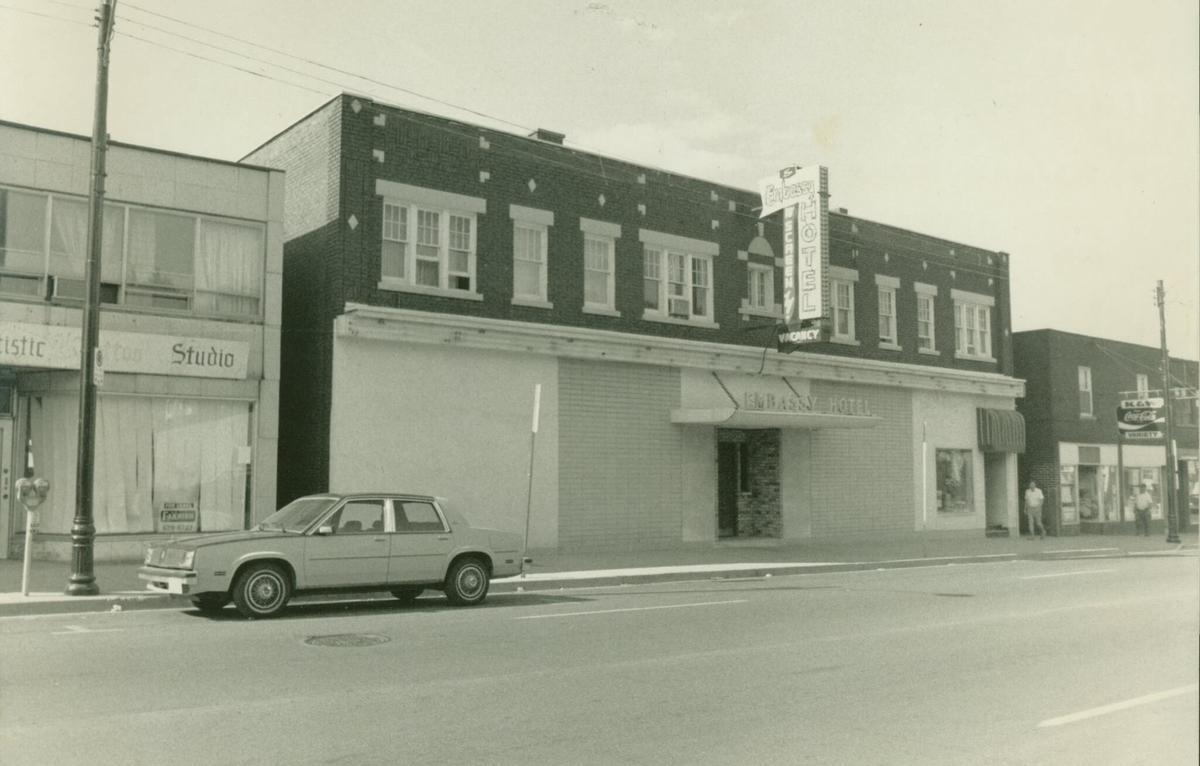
[[347, 639]]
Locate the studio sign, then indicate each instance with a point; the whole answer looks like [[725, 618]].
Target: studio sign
[[57, 347], [818, 405]]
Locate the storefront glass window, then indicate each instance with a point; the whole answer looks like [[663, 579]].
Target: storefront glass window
[[1067, 494], [1137, 477], [162, 464], [955, 487]]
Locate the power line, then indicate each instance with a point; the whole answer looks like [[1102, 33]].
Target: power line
[[47, 16]]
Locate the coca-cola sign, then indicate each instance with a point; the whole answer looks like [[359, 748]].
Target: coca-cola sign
[[1141, 418]]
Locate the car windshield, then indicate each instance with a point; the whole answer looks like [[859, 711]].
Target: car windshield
[[297, 515]]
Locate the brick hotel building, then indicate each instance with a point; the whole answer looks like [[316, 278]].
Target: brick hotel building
[[437, 271]]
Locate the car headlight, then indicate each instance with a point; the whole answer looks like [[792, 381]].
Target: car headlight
[[188, 558], [149, 557]]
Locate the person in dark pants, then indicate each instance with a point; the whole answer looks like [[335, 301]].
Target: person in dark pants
[[1033, 510], [1142, 503]]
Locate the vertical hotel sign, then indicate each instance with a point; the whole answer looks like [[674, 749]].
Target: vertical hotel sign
[[803, 196]]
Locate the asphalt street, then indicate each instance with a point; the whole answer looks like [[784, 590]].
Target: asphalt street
[[1081, 661]]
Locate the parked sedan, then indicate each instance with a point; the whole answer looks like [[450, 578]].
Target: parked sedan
[[337, 542]]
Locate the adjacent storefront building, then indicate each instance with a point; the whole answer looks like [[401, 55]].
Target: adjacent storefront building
[[1076, 385], [186, 424]]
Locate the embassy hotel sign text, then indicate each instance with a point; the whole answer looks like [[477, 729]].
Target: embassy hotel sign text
[[807, 403], [58, 348]]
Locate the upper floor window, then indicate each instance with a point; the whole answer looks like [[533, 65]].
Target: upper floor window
[[677, 282], [972, 325], [599, 265], [841, 300], [926, 318], [761, 287], [149, 258], [429, 240], [886, 287], [531, 255], [597, 272], [1085, 392]]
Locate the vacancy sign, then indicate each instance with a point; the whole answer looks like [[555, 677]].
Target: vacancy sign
[[1141, 419], [803, 196]]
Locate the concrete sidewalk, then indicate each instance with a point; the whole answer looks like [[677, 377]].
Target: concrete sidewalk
[[552, 570]]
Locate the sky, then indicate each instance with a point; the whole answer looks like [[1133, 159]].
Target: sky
[[1063, 132]]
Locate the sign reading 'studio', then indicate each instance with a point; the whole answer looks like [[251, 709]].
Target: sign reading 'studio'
[[57, 348]]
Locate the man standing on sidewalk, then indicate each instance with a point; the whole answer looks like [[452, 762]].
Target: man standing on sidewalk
[[1033, 510], [1141, 510]]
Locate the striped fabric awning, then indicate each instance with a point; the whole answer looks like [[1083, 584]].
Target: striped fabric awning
[[1000, 430]]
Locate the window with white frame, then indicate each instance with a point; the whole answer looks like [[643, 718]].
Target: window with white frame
[[886, 287], [428, 240], [531, 254], [1085, 392], [972, 325], [841, 303], [677, 278], [598, 272], [761, 288], [926, 326]]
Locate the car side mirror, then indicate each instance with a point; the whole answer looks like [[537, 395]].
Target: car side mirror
[[325, 530]]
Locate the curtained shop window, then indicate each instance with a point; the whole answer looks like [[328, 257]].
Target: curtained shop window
[[151, 454], [22, 241], [955, 488], [69, 248], [229, 269]]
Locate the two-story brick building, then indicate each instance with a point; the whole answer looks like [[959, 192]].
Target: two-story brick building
[[436, 272], [1074, 384], [191, 284]]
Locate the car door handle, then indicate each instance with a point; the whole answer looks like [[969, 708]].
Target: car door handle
[[380, 539], [444, 537]]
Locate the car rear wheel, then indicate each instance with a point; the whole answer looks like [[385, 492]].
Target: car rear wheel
[[467, 582], [408, 593], [262, 590], [210, 603]]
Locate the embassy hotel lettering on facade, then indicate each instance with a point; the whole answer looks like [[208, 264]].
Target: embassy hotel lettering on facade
[[828, 405]]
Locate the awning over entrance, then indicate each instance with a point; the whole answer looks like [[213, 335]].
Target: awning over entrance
[[732, 400], [1000, 430]]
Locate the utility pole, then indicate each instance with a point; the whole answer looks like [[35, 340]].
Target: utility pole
[[82, 581], [1169, 477]]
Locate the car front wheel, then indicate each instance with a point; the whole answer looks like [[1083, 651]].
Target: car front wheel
[[467, 582], [262, 590]]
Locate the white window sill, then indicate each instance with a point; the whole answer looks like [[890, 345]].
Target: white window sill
[[404, 287], [534, 303], [651, 316], [603, 311], [929, 351], [973, 358], [752, 311], [887, 346], [843, 340]]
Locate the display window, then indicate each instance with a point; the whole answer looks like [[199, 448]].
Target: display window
[[955, 487], [162, 464], [1151, 479]]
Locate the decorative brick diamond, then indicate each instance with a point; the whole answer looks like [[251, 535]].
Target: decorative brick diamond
[[352, 222], [532, 185]]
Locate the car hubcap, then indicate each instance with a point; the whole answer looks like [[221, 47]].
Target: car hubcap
[[470, 581], [265, 591]]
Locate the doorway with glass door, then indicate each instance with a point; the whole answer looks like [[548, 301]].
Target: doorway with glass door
[[748, 500]]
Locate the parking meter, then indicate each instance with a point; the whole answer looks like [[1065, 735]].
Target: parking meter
[[32, 493]]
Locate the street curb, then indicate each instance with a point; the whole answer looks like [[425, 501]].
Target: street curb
[[13, 605]]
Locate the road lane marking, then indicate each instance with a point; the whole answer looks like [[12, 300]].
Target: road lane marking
[[1065, 574], [1114, 707], [629, 609], [75, 630]]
